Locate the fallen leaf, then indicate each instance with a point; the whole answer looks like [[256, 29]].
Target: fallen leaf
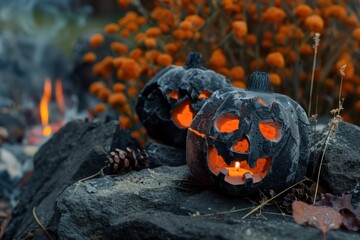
[[342, 204], [323, 218], [350, 221]]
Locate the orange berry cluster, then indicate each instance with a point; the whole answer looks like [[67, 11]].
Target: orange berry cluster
[[235, 38]]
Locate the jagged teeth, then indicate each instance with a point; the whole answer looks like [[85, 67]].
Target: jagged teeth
[[248, 178]]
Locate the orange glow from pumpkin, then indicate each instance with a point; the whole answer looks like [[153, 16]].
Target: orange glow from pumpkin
[[182, 115], [241, 146], [227, 123], [204, 94], [44, 107], [262, 102], [215, 161], [173, 94], [237, 172], [270, 130], [197, 133]]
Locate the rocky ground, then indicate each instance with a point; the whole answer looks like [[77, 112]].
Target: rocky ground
[[161, 202]]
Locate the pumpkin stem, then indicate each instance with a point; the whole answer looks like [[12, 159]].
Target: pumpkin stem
[[259, 82], [194, 60]]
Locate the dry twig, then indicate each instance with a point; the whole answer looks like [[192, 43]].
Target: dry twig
[[334, 123], [272, 198], [315, 46], [37, 220]]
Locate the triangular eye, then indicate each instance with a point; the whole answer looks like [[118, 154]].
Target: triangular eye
[[227, 123], [270, 130], [173, 94], [183, 114]]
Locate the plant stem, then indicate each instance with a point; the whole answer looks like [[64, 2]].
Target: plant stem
[[315, 46], [40, 224], [340, 104], [321, 161], [312, 82]]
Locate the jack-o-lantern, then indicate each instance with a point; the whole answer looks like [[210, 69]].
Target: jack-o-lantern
[[249, 140], [169, 101]]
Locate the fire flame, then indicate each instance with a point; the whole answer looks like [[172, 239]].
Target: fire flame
[[59, 96], [44, 107]]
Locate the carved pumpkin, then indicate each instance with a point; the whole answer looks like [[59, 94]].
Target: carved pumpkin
[[168, 102], [249, 140]]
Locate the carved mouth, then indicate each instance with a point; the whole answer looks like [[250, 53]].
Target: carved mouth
[[239, 172]]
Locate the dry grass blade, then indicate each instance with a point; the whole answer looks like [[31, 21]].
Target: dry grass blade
[[334, 123], [197, 214], [321, 161], [92, 176], [316, 44], [40, 224], [87, 178], [272, 198]]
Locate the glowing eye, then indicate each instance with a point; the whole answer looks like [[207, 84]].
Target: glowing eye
[[204, 94], [183, 114], [227, 123], [173, 94], [270, 130]]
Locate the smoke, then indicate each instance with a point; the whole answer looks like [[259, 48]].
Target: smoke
[[43, 19]]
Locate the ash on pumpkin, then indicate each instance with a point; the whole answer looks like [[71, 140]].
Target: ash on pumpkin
[[249, 140], [169, 101]]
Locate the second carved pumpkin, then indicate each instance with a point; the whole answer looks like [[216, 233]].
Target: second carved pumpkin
[[169, 101]]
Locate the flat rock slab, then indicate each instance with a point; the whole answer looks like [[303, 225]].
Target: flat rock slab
[[78, 150], [162, 203]]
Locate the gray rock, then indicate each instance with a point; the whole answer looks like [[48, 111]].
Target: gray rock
[[78, 150], [341, 164], [165, 155], [14, 126], [155, 204], [13, 165]]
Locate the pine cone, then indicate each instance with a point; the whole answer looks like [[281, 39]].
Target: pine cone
[[299, 193], [119, 161]]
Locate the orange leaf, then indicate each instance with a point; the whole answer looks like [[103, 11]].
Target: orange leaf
[[323, 218]]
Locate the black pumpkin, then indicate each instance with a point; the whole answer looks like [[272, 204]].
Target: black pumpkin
[[249, 140], [169, 101]]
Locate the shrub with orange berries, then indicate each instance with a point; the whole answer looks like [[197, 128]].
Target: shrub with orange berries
[[235, 39]]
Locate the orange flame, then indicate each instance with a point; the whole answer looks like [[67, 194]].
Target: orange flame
[[59, 96], [237, 165], [44, 107]]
